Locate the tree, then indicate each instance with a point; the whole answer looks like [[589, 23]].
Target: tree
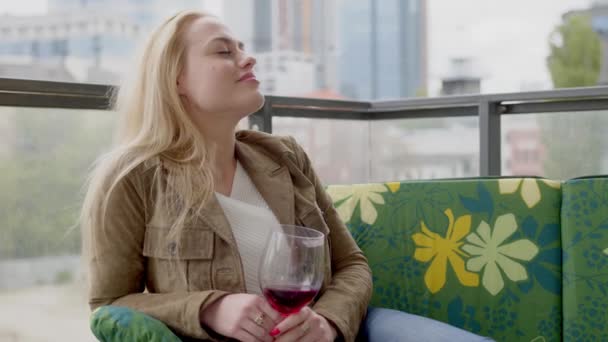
[[576, 54], [42, 179], [574, 141]]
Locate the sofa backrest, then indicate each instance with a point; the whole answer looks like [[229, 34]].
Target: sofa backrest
[[480, 254], [585, 259]]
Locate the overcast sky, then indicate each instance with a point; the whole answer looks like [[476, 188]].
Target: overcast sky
[[507, 39]]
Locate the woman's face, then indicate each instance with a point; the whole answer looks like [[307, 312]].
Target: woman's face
[[217, 81]]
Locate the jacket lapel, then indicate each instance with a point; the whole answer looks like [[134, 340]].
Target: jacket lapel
[[272, 180], [214, 217]]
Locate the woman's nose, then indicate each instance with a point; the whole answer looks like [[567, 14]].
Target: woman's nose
[[247, 61]]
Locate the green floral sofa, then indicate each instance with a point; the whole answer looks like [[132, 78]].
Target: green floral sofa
[[517, 259]]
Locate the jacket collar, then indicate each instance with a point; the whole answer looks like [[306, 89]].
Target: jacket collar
[[262, 157]]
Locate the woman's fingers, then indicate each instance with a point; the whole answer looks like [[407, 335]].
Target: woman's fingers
[[291, 327], [257, 331], [271, 313]]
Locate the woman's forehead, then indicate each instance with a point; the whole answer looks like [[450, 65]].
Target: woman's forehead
[[206, 29]]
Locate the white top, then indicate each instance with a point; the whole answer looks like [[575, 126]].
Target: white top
[[251, 221]]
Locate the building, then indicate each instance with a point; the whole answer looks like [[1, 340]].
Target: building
[[382, 49], [93, 39], [424, 153], [286, 73], [80, 42], [303, 28], [143, 13], [462, 78], [523, 151], [309, 26]]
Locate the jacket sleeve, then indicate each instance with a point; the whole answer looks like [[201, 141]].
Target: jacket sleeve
[[117, 267], [345, 301]]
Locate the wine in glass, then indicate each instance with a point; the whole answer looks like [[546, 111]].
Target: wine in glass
[[292, 266]]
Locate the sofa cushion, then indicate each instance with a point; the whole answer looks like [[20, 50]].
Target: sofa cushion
[[585, 269], [117, 324], [480, 254]]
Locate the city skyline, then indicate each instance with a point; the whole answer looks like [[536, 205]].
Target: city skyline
[[509, 57]]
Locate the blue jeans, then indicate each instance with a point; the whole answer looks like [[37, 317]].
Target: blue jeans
[[388, 325]]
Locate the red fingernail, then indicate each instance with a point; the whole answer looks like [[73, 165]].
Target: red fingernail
[[275, 332]]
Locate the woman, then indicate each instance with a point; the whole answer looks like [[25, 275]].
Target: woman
[[173, 211]]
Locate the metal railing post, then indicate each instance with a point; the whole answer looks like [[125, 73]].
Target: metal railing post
[[489, 139]]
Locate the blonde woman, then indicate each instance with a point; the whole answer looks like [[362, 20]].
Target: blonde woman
[[172, 213]]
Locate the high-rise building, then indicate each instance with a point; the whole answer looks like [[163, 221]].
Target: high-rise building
[[289, 27], [382, 48]]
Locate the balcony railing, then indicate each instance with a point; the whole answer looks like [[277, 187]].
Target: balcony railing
[[488, 108]]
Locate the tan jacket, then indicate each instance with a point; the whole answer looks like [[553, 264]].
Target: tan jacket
[[133, 252]]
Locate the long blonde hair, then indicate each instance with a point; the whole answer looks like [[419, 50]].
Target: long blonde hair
[[155, 124]]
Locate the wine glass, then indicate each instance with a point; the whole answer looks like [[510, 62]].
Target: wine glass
[[291, 268]]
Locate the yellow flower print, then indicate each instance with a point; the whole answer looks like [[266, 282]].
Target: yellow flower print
[[393, 186], [431, 245], [530, 192]]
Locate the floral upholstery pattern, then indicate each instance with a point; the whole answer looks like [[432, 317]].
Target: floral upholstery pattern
[[480, 254], [585, 259]]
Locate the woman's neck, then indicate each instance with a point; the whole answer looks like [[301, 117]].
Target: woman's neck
[[222, 141]]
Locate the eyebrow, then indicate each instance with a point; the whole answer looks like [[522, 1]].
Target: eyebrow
[[229, 41]]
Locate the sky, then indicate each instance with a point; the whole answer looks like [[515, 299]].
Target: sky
[[507, 40]]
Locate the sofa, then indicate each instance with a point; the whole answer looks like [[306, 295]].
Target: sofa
[[516, 259]]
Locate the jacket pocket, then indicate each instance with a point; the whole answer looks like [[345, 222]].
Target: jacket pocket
[[178, 263]]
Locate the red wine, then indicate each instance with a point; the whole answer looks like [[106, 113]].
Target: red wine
[[288, 300]]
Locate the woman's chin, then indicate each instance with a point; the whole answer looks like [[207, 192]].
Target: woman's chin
[[256, 102], [249, 105]]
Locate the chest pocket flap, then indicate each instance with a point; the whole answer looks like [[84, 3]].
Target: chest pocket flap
[[193, 244]]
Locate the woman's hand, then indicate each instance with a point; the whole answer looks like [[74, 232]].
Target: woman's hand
[[305, 326], [244, 317]]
